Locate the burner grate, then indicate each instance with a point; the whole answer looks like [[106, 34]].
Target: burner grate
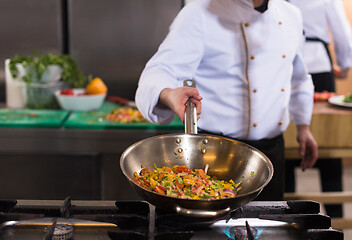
[[301, 219], [142, 221]]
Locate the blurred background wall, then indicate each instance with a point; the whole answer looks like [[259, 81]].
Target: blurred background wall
[[112, 39], [108, 38]]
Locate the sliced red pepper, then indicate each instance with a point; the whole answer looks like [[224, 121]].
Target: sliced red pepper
[[167, 169], [144, 171], [183, 169], [178, 184], [136, 179], [202, 174], [161, 176], [162, 187], [199, 182], [159, 190], [67, 91], [146, 181]]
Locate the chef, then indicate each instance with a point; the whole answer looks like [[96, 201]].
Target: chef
[[324, 20], [245, 57]]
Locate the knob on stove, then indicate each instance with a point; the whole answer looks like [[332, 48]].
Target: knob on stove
[[62, 232]]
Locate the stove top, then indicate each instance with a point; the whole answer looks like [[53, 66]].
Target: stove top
[[51, 219]]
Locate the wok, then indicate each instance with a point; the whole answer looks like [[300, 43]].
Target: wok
[[226, 159]]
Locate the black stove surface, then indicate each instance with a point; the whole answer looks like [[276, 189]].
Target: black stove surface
[[40, 219]]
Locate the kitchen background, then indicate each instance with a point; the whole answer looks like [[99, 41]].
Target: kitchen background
[[110, 39], [107, 38]]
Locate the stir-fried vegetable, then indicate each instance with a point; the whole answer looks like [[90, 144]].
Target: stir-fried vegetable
[[183, 182], [125, 115]]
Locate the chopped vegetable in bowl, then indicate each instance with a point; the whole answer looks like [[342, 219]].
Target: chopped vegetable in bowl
[[183, 182]]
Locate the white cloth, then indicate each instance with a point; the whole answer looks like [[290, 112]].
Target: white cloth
[[324, 19], [211, 41]]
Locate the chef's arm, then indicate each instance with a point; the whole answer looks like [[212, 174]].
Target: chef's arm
[[340, 72], [308, 148], [301, 109], [175, 99], [177, 59], [342, 36]]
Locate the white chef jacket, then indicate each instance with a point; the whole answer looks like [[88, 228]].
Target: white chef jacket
[[247, 65], [320, 18]]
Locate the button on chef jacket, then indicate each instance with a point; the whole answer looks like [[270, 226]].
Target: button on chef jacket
[[247, 65], [322, 18]]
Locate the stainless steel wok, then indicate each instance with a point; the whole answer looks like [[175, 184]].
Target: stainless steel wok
[[226, 158]]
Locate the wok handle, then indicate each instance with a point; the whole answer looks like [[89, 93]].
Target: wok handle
[[190, 111], [198, 213]]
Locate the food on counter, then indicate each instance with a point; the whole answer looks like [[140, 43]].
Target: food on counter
[[96, 86], [76, 99], [183, 182], [73, 92], [323, 96], [68, 91], [42, 68], [125, 115], [348, 99]]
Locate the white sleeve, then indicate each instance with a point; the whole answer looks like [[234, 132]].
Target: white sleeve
[[176, 60], [341, 33], [302, 90]]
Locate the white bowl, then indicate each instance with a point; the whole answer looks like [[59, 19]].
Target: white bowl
[[79, 102]]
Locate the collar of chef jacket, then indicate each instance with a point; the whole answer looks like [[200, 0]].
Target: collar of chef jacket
[[244, 10], [246, 3]]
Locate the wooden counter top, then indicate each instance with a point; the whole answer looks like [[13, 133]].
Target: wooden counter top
[[331, 127]]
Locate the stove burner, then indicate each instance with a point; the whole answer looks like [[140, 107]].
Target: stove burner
[[61, 232], [138, 220], [243, 232]]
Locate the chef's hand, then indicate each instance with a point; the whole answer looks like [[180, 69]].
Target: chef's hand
[[308, 148], [340, 72], [176, 98]]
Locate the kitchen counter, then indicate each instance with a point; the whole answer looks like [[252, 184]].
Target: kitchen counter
[[331, 127], [75, 141], [80, 132], [78, 156], [89, 157]]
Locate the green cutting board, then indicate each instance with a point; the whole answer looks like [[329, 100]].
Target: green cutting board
[[27, 118], [96, 120]]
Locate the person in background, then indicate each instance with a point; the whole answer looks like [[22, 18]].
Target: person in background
[[246, 59], [320, 18]]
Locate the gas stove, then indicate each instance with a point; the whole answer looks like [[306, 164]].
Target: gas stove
[[138, 220]]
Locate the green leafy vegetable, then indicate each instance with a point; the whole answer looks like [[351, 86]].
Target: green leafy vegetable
[[37, 64], [348, 99], [156, 168], [180, 181]]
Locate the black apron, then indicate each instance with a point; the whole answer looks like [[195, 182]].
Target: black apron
[[324, 81]]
